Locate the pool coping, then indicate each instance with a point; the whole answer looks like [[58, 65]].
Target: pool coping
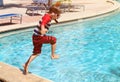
[[6, 71]]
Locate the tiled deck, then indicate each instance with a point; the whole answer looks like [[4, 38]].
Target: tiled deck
[[92, 8]]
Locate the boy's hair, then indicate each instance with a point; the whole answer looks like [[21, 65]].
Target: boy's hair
[[54, 10]]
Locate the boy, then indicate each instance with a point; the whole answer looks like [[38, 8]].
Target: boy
[[39, 37]]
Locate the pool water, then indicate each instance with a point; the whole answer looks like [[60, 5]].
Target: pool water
[[118, 0], [89, 51]]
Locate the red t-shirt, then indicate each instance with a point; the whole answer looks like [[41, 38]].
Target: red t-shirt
[[46, 19]]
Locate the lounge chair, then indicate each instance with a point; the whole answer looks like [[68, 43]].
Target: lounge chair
[[12, 16], [37, 5], [71, 7], [34, 9], [40, 2]]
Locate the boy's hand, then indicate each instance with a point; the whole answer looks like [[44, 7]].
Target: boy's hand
[[55, 56], [43, 31]]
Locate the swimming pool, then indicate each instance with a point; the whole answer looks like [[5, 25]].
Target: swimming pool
[[118, 0], [89, 51]]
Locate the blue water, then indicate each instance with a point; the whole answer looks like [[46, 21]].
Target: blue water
[[118, 0], [89, 51]]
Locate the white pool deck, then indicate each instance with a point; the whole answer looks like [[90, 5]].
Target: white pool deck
[[92, 8]]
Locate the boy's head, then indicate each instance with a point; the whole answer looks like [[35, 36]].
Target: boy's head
[[55, 13], [54, 10]]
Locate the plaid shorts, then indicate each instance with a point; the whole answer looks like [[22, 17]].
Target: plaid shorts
[[39, 40]]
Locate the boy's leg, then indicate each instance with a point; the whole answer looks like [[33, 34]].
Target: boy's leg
[[31, 58], [36, 52], [52, 40], [53, 48]]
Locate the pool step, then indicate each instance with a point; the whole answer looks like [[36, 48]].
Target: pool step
[[13, 74]]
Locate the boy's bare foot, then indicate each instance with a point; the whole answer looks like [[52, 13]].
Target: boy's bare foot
[[55, 56], [25, 71]]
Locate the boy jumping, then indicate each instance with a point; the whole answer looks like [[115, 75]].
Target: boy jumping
[[39, 37]]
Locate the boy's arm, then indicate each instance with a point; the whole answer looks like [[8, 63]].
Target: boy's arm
[[58, 15], [43, 30], [45, 20], [56, 20]]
